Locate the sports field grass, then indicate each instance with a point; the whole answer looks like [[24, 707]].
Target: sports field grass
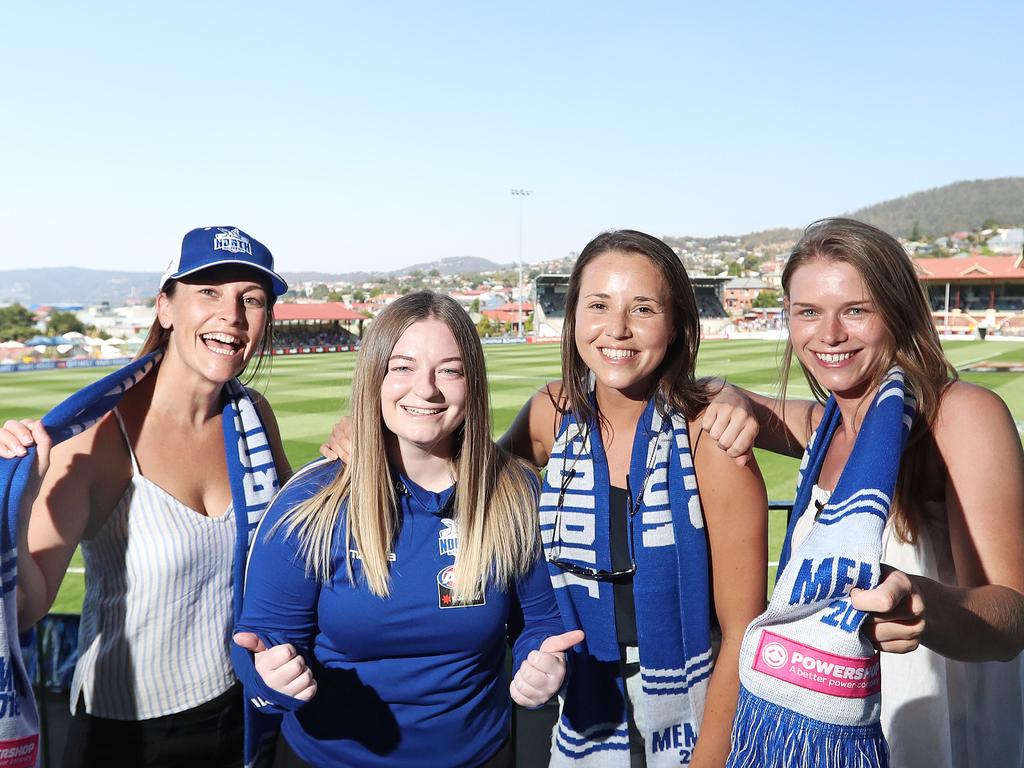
[[309, 392]]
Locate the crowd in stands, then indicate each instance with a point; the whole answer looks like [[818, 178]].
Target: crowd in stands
[[313, 337], [708, 306]]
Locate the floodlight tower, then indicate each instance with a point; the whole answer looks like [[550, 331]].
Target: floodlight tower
[[522, 194]]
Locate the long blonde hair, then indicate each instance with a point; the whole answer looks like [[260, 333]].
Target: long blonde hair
[[495, 496], [889, 277]]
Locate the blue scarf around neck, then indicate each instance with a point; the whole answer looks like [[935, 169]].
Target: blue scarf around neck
[[810, 688], [670, 586]]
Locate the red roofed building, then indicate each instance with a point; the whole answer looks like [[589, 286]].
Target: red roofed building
[[325, 326], [315, 312], [965, 292], [509, 313]]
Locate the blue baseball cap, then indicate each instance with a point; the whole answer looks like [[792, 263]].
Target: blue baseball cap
[[214, 246]]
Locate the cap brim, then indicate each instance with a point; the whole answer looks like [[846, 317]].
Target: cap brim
[[277, 283]]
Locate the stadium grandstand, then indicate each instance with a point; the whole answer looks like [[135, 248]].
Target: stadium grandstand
[[975, 293], [549, 305], [708, 291], [324, 327]]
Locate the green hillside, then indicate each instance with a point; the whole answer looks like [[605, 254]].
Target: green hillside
[[965, 205]]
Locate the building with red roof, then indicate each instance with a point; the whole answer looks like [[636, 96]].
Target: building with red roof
[[322, 327], [970, 291]]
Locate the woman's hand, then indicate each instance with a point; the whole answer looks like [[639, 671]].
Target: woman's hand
[[541, 675], [16, 437], [282, 667], [896, 609], [730, 421], [339, 444]]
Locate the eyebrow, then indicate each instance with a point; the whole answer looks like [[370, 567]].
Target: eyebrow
[[635, 298], [413, 359], [844, 304]]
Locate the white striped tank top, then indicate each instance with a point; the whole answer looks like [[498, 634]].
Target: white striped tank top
[[157, 615]]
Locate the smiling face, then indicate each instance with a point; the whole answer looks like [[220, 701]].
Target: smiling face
[[217, 319], [835, 328], [623, 323], [423, 395]]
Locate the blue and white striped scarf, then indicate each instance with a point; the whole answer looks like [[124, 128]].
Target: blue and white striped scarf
[[810, 683], [670, 587], [253, 479]]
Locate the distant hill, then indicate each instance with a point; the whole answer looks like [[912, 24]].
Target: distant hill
[[965, 205], [455, 265], [75, 285]]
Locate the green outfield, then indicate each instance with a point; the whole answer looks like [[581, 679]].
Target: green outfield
[[309, 392]]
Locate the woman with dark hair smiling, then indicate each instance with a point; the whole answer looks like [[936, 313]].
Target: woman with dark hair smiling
[[645, 526]]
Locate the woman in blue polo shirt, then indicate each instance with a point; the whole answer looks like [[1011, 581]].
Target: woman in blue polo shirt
[[394, 582]]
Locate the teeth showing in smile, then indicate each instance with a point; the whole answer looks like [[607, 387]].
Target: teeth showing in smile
[[422, 411], [617, 354], [833, 357], [232, 343]]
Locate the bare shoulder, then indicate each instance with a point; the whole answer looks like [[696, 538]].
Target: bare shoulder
[[973, 422], [966, 409], [89, 458], [549, 399], [259, 400], [533, 430]]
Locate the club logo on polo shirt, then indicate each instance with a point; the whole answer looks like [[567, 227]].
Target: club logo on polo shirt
[[448, 537], [445, 587], [233, 241]]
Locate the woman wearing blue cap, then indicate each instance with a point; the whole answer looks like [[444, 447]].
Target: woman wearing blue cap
[[164, 471]]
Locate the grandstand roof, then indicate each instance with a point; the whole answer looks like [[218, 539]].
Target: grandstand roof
[[330, 310], [981, 268]]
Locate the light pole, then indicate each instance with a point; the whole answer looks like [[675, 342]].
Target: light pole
[[522, 194]]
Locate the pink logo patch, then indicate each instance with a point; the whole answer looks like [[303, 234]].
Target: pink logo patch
[[19, 753], [815, 670]]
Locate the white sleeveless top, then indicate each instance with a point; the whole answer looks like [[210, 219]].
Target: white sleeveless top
[[936, 712], [157, 615]]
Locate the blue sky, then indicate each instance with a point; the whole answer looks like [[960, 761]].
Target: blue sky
[[375, 135]]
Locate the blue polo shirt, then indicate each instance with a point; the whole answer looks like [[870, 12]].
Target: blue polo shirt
[[408, 680]]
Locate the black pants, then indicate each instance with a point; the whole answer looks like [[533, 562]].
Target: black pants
[[285, 757], [208, 736]]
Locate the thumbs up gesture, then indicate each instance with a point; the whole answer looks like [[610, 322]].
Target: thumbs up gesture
[[281, 667], [541, 675]]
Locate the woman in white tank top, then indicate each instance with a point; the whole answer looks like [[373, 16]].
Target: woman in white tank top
[[145, 492], [949, 613]]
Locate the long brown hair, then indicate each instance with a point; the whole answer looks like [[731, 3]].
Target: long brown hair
[[158, 337], [892, 283], [674, 378], [495, 501]]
